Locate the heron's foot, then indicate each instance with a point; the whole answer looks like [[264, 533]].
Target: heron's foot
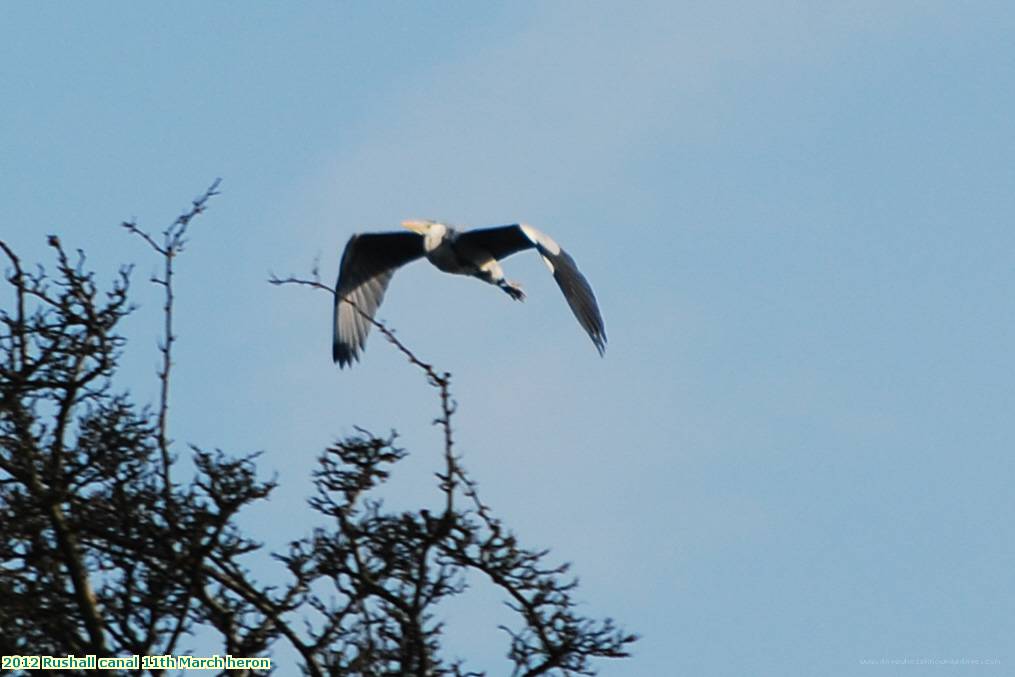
[[513, 289]]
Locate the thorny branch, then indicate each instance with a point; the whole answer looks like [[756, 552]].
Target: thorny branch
[[102, 554], [440, 381], [173, 241], [554, 637], [72, 361], [18, 330]]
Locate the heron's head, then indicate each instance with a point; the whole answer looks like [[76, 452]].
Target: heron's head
[[422, 227]]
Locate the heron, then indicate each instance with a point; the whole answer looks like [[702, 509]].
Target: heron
[[370, 260]]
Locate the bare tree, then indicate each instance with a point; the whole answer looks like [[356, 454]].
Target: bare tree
[[106, 550]]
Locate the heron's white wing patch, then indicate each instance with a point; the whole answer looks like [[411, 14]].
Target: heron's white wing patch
[[541, 239]]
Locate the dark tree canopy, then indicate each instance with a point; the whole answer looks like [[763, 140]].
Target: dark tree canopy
[[105, 549]]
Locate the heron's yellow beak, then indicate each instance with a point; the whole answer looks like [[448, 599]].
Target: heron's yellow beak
[[416, 226]]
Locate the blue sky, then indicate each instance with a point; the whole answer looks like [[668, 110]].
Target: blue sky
[[797, 452]]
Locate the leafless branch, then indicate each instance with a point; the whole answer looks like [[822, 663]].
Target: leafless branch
[[101, 553], [18, 331], [440, 381], [173, 240]]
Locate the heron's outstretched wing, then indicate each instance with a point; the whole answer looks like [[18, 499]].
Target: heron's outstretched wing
[[503, 241], [579, 295], [499, 241], [368, 263]]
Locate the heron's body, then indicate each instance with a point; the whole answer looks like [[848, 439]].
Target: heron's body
[[371, 259], [444, 247]]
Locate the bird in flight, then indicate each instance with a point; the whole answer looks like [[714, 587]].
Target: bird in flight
[[370, 259]]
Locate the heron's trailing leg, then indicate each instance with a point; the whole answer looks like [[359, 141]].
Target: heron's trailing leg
[[490, 271], [513, 289]]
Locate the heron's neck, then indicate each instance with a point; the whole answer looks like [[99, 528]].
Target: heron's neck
[[437, 235]]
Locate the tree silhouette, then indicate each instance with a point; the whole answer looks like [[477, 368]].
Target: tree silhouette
[[106, 550]]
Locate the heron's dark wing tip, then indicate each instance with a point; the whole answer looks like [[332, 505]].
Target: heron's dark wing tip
[[578, 294], [342, 355]]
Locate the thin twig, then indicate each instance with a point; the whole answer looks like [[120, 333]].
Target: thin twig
[[172, 244], [18, 280], [440, 381], [263, 604]]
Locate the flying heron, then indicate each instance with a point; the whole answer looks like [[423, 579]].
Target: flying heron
[[370, 259]]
